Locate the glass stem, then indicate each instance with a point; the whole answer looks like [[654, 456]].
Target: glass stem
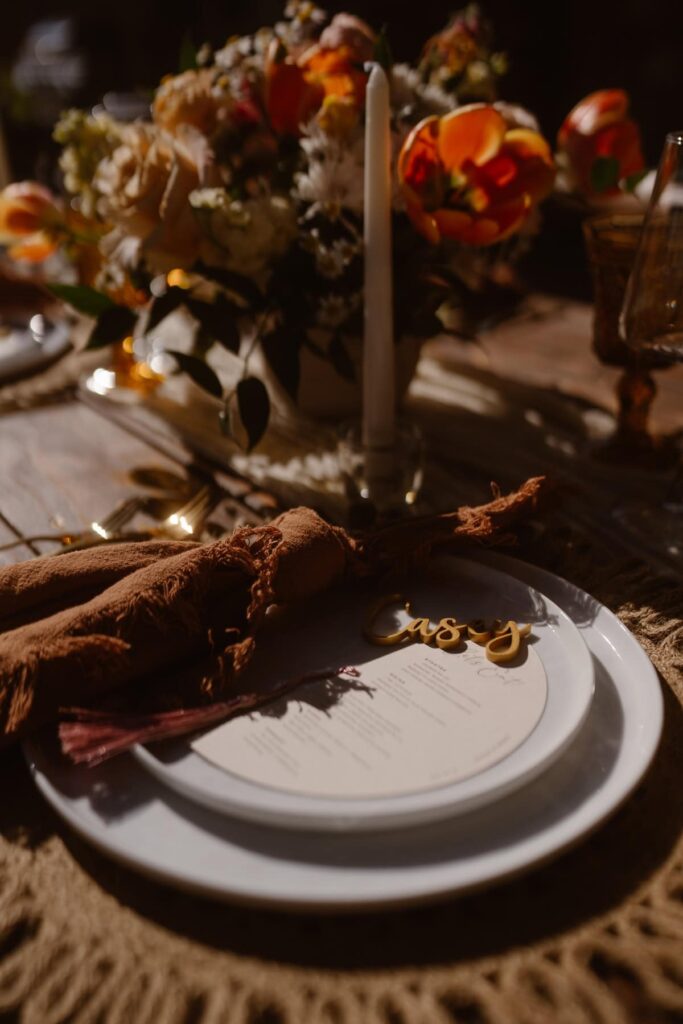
[[635, 391]]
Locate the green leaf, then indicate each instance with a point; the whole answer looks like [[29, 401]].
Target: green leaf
[[218, 318], [382, 53], [187, 58], [114, 324], [341, 360], [633, 181], [85, 300], [253, 404], [198, 371], [202, 342], [283, 358], [241, 286], [164, 305], [604, 173]]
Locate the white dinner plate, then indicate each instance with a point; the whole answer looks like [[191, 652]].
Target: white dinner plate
[[330, 633], [28, 349], [130, 816]]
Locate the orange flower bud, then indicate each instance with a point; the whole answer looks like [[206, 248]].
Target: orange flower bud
[[468, 176], [291, 99], [26, 207], [28, 214]]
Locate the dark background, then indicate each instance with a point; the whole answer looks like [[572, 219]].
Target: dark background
[[558, 51]]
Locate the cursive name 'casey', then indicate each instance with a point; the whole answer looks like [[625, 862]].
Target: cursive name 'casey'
[[501, 640]]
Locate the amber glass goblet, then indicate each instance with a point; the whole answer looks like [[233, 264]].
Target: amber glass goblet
[[652, 326], [652, 316], [611, 243]]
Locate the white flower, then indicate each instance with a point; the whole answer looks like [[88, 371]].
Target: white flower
[[333, 310], [411, 97], [245, 236], [333, 179], [334, 176], [332, 260], [210, 199]]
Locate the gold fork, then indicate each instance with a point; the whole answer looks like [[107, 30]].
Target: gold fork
[[185, 522], [105, 528], [189, 519]]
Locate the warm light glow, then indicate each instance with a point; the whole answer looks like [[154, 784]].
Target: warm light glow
[[181, 521], [127, 345], [177, 278], [146, 372], [37, 326], [158, 364], [102, 381]]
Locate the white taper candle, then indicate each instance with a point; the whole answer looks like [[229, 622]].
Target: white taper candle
[[379, 388]]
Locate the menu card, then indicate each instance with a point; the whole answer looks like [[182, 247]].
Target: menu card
[[416, 718]]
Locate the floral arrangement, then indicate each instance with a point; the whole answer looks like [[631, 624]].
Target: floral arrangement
[[241, 199]]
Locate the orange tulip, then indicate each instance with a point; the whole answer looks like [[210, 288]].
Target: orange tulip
[[468, 176], [29, 216], [291, 99], [597, 127], [297, 88]]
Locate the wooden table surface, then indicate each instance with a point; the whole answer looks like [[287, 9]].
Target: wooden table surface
[[63, 466]]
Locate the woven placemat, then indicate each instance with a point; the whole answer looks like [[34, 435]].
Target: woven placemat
[[594, 938]]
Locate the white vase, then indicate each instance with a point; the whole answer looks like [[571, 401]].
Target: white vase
[[324, 394]]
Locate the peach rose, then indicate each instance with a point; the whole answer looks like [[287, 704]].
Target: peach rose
[[599, 127], [468, 176], [144, 189], [199, 98], [351, 32]]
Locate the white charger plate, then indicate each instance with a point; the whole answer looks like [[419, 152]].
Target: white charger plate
[[131, 817], [330, 633]]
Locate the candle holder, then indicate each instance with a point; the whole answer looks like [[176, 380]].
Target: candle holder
[[381, 482]]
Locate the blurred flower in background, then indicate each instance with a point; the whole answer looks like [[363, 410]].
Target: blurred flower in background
[[599, 148], [472, 177]]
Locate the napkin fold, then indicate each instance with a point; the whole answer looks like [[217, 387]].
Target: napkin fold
[[166, 626]]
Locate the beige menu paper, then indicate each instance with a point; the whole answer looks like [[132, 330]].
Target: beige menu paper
[[415, 719]]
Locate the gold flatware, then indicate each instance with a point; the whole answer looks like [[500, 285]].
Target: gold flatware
[[185, 523], [188, 520], [103, 529], [181, 524]]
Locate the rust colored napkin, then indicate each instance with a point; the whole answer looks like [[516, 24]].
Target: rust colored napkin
[[166, 626]]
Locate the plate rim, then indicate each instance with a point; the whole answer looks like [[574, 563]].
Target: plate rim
[[554, 839], [30, 359], [264, 805]]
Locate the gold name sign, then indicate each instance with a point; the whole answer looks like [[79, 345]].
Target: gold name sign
[[501, 640]]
